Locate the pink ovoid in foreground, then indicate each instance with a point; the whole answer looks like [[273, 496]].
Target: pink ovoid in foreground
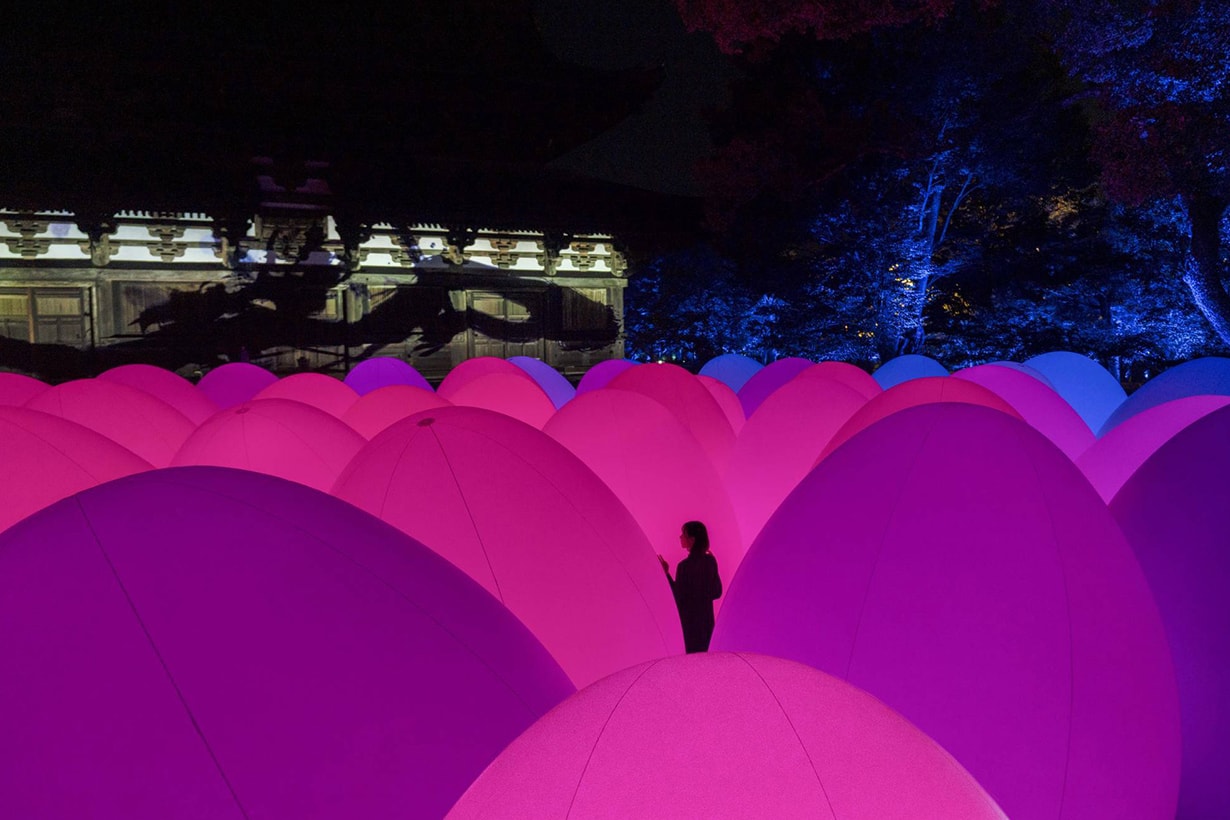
[[217, 643], [724, 735], [951, 561]]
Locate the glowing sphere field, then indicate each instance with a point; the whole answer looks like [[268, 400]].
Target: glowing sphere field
[[217, 643], [953, 562], [724, 735]]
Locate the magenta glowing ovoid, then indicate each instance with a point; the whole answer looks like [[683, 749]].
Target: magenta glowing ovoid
[[1173, 512], [724, 735], [679, 392], [279, 437], [16, 389], [530, 522], [852, 376], [379, 409], [951, 561], [45, 458], [322, 392], [518, 397], [656, 468], [726, 399], [172, 388], [203, 642], [601, 374], [471, 369], [148, 426]]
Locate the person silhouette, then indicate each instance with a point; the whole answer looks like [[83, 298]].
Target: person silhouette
[[696, 586]]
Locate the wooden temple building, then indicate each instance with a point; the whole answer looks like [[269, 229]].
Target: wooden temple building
[[221, 193]]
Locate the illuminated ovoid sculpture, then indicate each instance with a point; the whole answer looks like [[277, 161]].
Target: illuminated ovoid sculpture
[[904, 368], [1114, 457], [779, 445], [953, 562], [655, 466], [44, 458], [16, 389], [1083, 383], [518, 397], [471, 369], [322, 392], [769, 378], [732, 369], [679, 392], [148, 426], [234, 383], [279, 437], [205, 642], [1173, 512], [1209, 376], [912, 393], [852, 376], [600, 375], [380, 408], [383, 371], [531, 523], [724, 735], [557, 388], [1040, 406], [727, 400], [172, 388]]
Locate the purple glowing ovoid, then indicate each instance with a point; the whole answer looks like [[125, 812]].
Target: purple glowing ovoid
[[951, 561], [732, 369], [904, 368], [234, 383], [217, 643], [384, 371]]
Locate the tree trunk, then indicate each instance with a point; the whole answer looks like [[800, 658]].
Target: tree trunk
[[1202, 273]]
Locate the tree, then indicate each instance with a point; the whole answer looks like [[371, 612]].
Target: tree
[[1159, 72]]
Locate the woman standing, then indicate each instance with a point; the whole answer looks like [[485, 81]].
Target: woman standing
[[696, 586]]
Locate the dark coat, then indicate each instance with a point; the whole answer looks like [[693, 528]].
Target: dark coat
[[696, 586]]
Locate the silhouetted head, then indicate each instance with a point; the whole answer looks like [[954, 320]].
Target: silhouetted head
[[694, 538]]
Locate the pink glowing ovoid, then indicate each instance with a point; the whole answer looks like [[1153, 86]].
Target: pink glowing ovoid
[[383, 371], [515, 396], [45, 458], [724, 735], [557, 388], [16, 389], [600, 375], [727, 399], [380, 408], [912, 393], [148, 426], [213, 643], [779, 445], [1209, 376], [656, 468], [234, 383], [904, 368], [471, 369], [525, 518], [1040, 406], [953, 562], [322, 392], [279, 437], [732, 369], [852, 376], [1173, 512], [1083, 383], [172, 388], [1116, 456], [679, 392], [772, 376]]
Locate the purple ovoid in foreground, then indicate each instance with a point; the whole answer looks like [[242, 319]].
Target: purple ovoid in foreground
[[951, 561], [206, 642]]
